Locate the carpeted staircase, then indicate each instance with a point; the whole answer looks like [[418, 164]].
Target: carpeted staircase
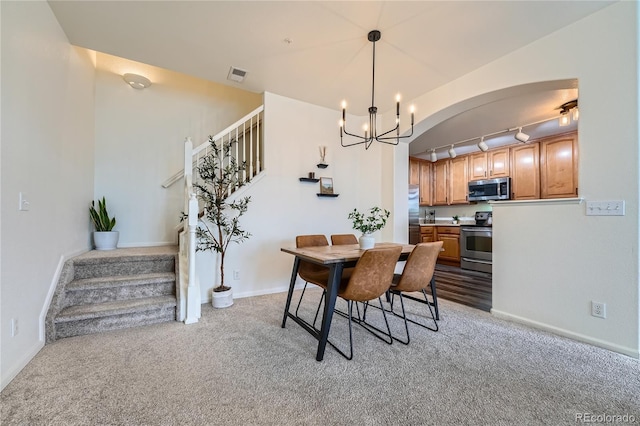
[[109, 290]]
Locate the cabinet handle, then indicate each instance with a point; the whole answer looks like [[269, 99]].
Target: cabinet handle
[[490, 172], [576, 190], [485, 173]]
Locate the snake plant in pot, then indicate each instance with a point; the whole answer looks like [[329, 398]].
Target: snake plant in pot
[[104, 237], [220, 176]]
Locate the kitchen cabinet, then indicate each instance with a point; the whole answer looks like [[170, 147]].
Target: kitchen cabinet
[[559, 166], [427, 234], [490, 164], [478, 166], [525, 172], [425, 183], [450, 237], [440, 182], [414, 171], [498, 163], [420, 174], [459, 179]]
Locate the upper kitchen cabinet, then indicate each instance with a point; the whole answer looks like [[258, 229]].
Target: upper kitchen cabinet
[[441, 182], [459, 178], [420, 174], [414, 171], [525, 172], [559, 166], [489, 164]]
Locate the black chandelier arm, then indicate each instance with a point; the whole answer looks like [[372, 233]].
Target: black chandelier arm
[[381, 138], [342, 129]]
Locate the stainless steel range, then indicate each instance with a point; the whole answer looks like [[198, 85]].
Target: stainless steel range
[[476, 245]]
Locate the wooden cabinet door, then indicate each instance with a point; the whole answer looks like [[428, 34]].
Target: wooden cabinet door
[[498, 163], [414, 171], [525, 172], [559, 167], [478, 166], [450, 247], [427, 234], [441, 182], [425, 183], [459, 180]]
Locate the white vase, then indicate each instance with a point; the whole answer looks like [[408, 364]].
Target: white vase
[[107, 240], [367, 242], [222, 299]]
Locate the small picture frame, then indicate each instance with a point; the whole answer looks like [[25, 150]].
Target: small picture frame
[[326, 185]]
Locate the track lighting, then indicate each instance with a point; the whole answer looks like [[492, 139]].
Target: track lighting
[[434, 157], [564, 120], [522, 137], [575, 114], [482, 145], [452, 152]]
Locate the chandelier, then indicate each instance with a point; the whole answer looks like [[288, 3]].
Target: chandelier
[[371, 130]]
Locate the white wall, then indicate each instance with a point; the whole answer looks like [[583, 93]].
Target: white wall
[[140, 142], [47, 152], [551, 261], [283, 207]]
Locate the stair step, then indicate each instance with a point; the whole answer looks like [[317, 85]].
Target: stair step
[[105, 289], [125, 262], [92, 318]]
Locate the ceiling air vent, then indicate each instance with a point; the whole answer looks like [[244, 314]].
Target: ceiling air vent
[[236, 74]]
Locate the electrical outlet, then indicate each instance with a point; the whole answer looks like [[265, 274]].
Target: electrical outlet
[[14, 327], [599, 309], [236, 274]]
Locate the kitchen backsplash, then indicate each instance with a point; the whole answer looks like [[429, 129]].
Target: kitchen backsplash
[[466, 212]]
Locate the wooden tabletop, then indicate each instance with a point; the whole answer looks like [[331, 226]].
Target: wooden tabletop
[[339, 253]]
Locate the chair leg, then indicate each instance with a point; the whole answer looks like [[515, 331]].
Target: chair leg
[[432, 284]]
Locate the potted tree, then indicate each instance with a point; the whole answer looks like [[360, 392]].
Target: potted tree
[[221, 175], [104, 237], [375, 221]]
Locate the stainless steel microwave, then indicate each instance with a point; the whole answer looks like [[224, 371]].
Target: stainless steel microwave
[[490, 189]]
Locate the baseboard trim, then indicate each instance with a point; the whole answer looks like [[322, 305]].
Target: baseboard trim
[[241, 295], [631, 352], [17, 368], [156, 244]]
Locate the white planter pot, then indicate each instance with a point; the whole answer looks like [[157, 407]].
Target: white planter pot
[[222, 299], [106, 240], [367, 242]]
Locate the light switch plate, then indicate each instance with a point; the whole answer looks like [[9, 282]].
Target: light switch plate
[[605, 208], [24, 203]]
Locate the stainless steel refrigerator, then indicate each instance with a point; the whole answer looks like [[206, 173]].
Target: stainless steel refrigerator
[[414, 214]]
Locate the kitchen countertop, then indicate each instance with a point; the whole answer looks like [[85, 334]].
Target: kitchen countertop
[[448, 223]]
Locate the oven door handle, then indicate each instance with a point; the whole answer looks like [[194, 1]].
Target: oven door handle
[[485, 262]]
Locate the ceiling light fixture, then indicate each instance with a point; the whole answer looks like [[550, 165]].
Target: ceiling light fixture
[[522, 137], [483, 145], [373, 134], [434, 156], [452, 152], [567, 110], [137, 81]]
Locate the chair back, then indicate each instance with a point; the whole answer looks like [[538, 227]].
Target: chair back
[[419, 268], [342, 239], [372, 274], [305, 267]]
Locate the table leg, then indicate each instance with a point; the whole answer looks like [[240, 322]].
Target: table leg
[[292, 284], [335, 275]]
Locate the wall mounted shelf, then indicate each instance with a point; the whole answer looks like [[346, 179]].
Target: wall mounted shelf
[[327, 195], [322, 165], [304, 179]]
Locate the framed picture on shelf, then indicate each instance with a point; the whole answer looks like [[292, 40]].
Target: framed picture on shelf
[[326, 185]]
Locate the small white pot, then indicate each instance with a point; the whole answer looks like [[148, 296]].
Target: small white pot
[[222, 299], [367, 242], [106, 240]]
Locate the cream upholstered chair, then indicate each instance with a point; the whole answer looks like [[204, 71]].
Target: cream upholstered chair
[[342, 239], [416, 276], [369, 280]]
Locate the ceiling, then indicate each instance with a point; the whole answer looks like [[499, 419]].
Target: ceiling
[[318, 52]]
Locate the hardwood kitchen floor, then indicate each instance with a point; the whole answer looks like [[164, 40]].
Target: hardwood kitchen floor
[[467, 287]]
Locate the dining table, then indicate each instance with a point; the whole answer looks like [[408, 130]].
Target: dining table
[[336, 258]]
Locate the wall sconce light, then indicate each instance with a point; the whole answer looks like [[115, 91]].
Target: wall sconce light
[[482, 145], [452, 152], [433, 156], [137, 81], [522, 137]]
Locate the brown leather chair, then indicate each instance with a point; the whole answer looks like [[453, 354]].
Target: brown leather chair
[[342, 239], [369, 280], [310, 272], [416, 276]]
